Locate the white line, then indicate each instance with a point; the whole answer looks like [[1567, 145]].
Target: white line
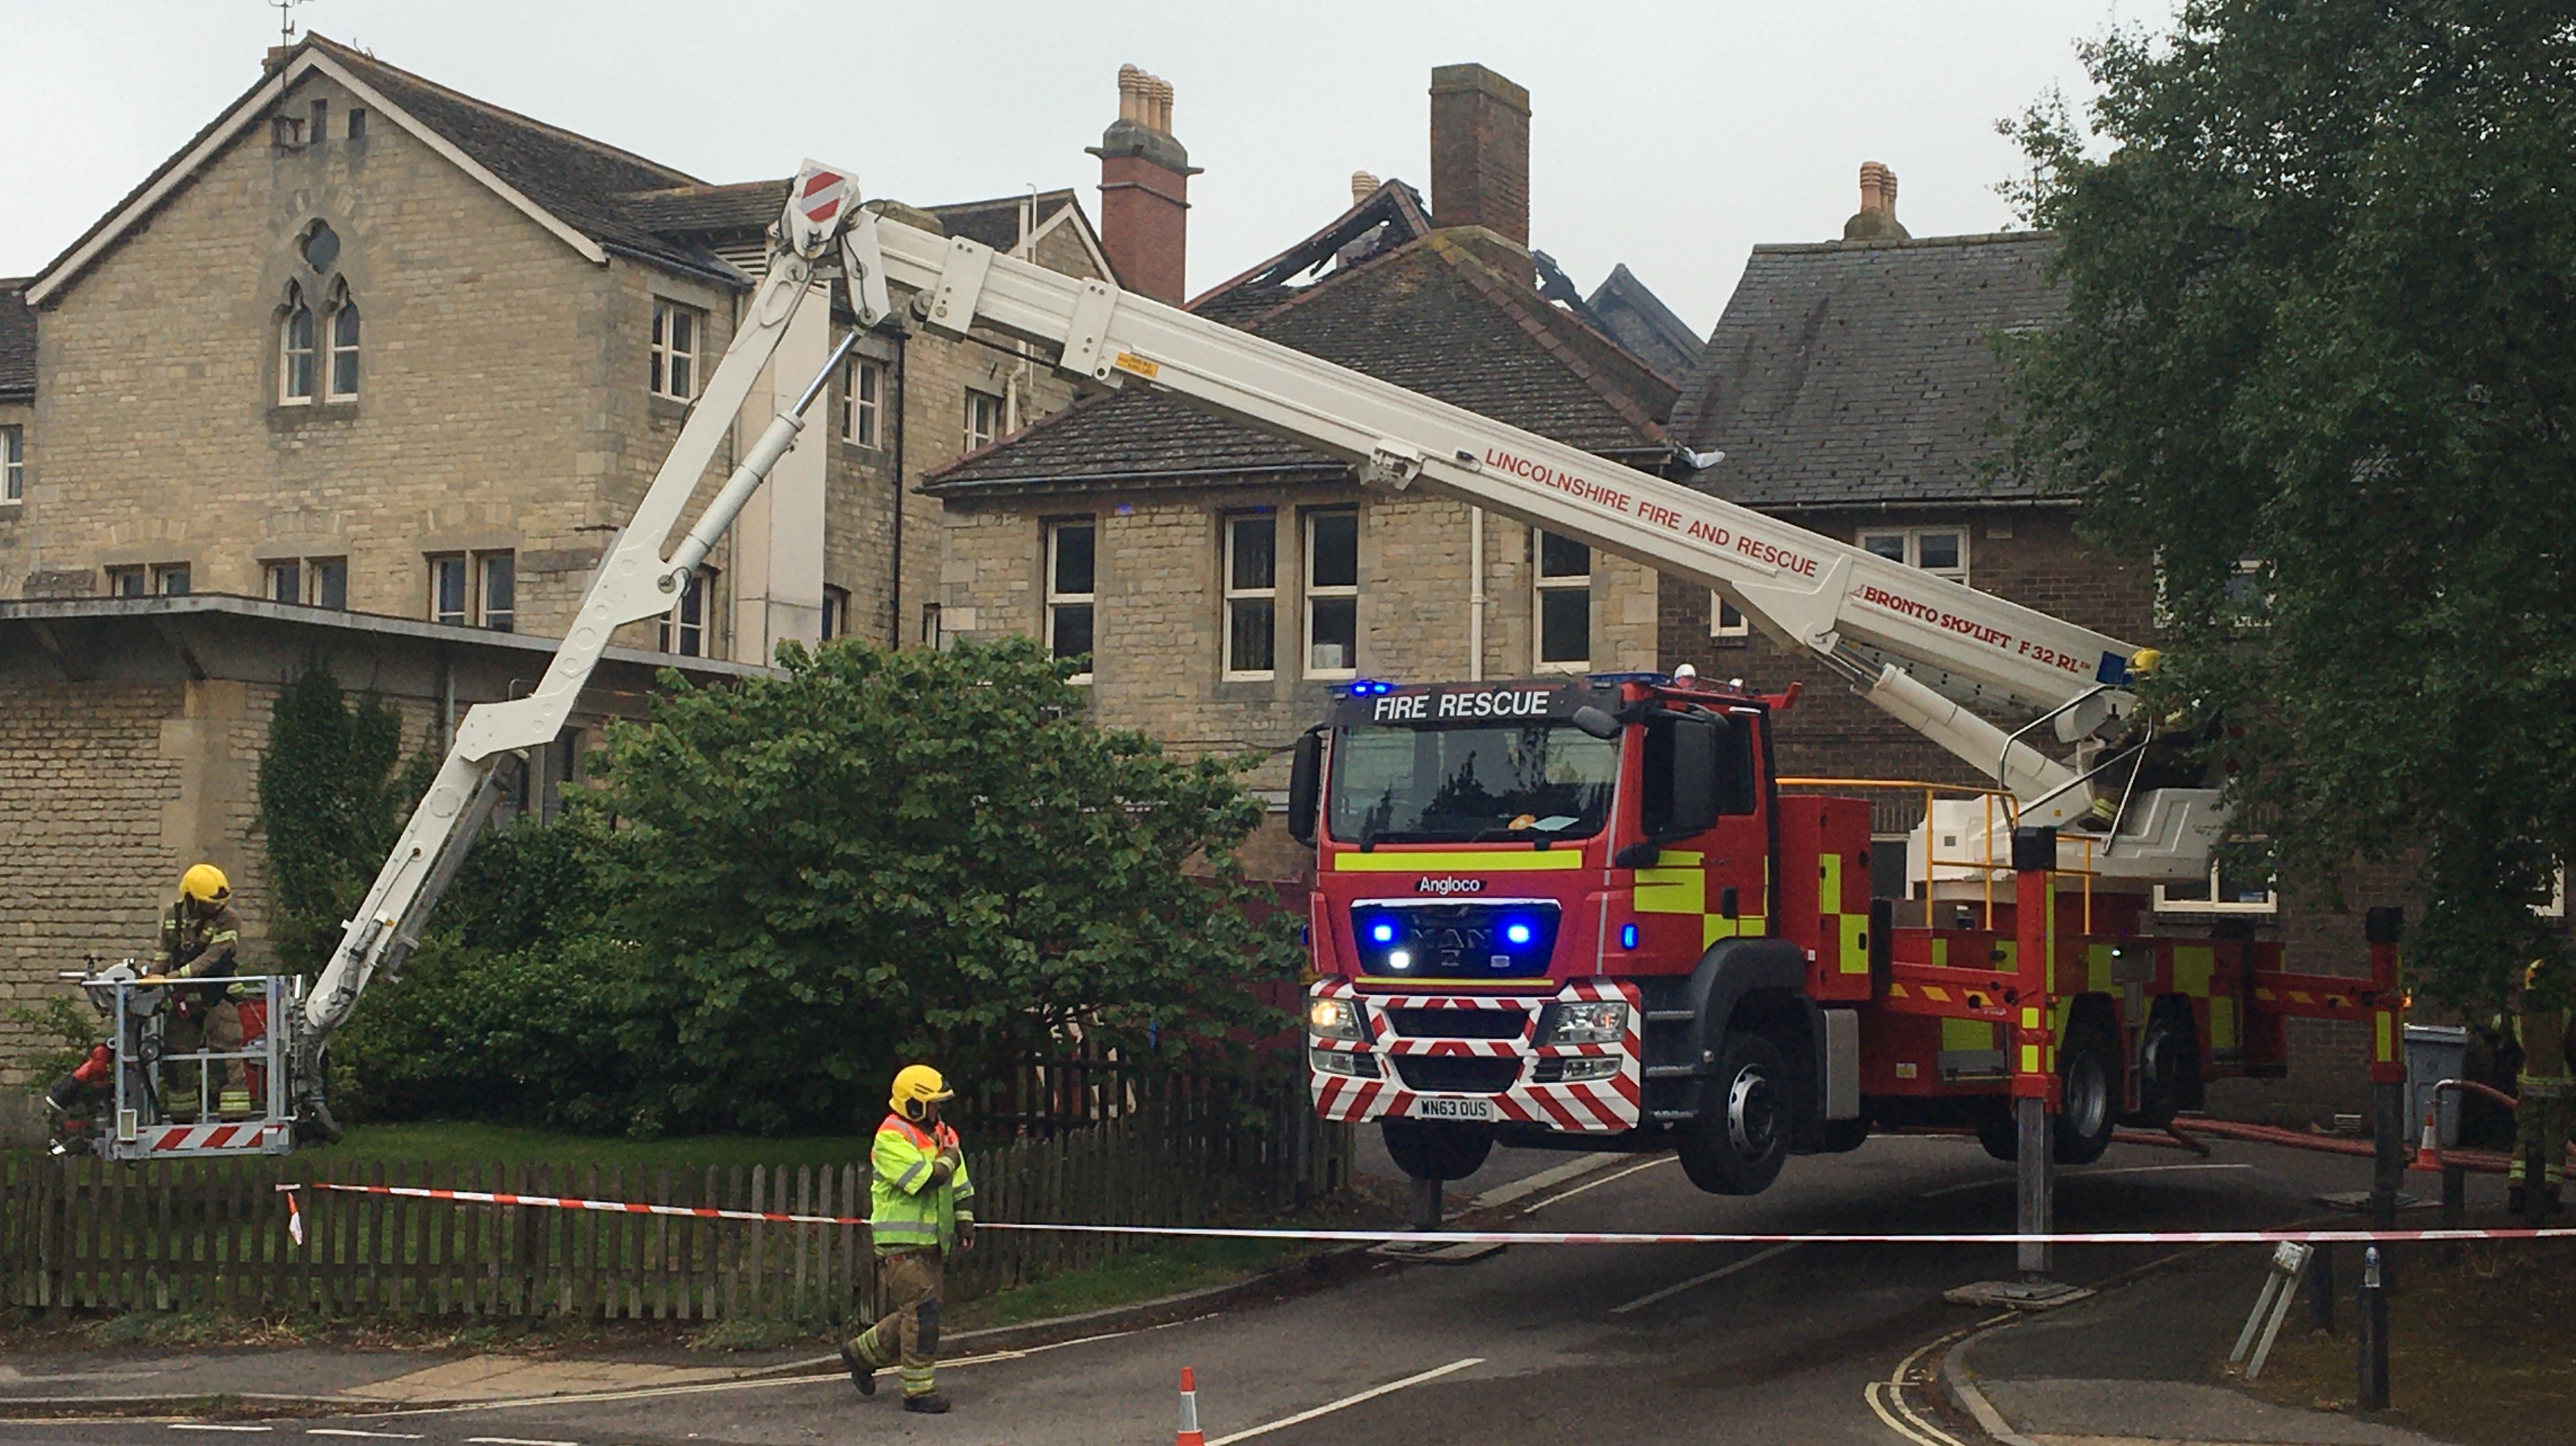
[[384, 1435], [513, 1441], [2073, 1175], [1930, 1436], [1347, 1401], [199, 1426], [1720, 1273], [1597, 1184]]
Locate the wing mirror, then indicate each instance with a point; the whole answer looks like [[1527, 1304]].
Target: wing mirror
[[1596, 722], [1306, 785]]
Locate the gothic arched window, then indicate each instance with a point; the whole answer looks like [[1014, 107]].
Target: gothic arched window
[[295, 348]]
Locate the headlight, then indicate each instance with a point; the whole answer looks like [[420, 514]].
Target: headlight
[[1586, 1023], [1334, 1019], [1343, 1061]]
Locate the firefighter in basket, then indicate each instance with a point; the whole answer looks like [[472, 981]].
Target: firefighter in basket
[[199, 937], [921, 1206], [2547, 1087]]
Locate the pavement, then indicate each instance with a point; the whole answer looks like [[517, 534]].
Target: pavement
[[1797, 1343]]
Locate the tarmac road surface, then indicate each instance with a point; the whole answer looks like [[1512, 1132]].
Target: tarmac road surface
[[1589, 1344]]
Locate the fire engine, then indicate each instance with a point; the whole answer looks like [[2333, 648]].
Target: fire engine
[[1581, 912]]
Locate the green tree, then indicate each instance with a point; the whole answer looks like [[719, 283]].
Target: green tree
[[2319, 358], [331, 802]]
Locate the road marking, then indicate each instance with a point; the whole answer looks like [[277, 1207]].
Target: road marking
[[208, 1426], [513, 1441], [1890, 1393], [2074, 1175], [1347, 1401], [388, 1435], [1720, 1273], [1597, 1184]]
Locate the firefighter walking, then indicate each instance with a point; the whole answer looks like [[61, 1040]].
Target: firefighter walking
[[921, 1206], [199, 939], [2547, 1089]]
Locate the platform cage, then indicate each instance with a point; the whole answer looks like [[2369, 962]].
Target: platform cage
[[132, 1116]]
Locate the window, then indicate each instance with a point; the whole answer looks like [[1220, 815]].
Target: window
[[1332, 594], [983, 419], [13, 464], [128, 582], [685, 629], [862, 400], [357, 124], [326, 582], [836, 612], [2240, 882], [497, 590], [344, 349], [447, 593], [284, 582], [295, 349], [1564, 605], [1251, 596], [1072, 564], [1942, 551], [1724, 621], [676, 331], [170, 579]]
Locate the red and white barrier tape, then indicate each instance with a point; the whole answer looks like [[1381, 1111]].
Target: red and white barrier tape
[[1484, 1237]]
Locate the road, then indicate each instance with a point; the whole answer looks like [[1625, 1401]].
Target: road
[[1532, 1345]]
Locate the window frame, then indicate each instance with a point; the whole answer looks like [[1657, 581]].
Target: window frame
[[1718, 626], [836, 614], [463, 616], [136, 574], [13, 463], [166, 573], [1236, 596], [1542, 583], [337, 351], [675, 629], [664, 350], [501, 563], [317, 574], [289, 570], [863, 400], [1912, 544], [973, 438], [1056, 601], [1311, 592], [289, 353]]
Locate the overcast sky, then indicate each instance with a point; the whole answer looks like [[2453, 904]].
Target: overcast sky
[[1670, 136]]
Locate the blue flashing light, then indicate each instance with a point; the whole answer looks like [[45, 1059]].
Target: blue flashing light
[[1517, 932], [1383, 933], [1627, 936], [1369, 688]]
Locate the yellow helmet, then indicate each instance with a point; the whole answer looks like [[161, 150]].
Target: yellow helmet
[[916, 1085], [205, 884], [2145, 661]]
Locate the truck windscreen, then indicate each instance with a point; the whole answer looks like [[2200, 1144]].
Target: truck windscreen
[[1495, 784]]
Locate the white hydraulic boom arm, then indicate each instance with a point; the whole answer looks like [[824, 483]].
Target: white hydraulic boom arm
[[636, 580]]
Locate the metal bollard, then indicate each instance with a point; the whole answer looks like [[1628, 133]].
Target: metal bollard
[[1427, 1209], [2321, 1288], [2372, 1333]]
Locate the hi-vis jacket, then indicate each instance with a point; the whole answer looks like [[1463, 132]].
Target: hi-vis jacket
[[909, 1208]]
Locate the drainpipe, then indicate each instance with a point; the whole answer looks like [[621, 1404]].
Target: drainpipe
[[897, 404], [1475, 594]]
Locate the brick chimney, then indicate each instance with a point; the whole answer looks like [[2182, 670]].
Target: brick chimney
[[1145, 190], [1480, 165], [1876, 219]]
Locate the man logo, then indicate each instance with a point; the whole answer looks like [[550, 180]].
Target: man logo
[[1428, 885]]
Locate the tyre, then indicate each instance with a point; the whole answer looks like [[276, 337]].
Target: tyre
[[1844, 1136], [1437, 1149], [2088, 1087], [1741, 1137], [2168, 1071], [1997, 1131]]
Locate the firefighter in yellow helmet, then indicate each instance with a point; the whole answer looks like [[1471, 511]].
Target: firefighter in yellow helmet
[[199, 937], [2547, 1088], [921, 1206]]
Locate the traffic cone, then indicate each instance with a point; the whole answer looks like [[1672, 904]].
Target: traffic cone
[[2428, 1151], [1190, 1433]]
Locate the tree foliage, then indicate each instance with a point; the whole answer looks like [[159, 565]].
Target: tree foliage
[[2319, 357], [331, 802], [781, 890]]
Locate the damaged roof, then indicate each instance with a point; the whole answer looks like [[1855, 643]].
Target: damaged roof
[[17, 344], [1425, 315], [1864, 373]]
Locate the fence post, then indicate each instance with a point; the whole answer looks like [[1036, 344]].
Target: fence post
[[2381, 927], [2373, 1333], [2034, 1082]]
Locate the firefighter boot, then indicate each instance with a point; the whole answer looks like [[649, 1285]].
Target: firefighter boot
[[928, 1403], [862, 1375]]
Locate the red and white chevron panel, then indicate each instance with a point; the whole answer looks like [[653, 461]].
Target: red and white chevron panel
[[1603, 1106], [205, 1139]]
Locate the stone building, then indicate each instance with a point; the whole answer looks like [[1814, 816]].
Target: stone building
[[1224, 581]]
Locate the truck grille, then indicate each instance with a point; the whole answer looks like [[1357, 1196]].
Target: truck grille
[[1457, 1074], [1459, 1023]]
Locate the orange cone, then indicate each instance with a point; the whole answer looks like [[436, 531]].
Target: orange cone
[[1190, 1433], [2428, 1151]]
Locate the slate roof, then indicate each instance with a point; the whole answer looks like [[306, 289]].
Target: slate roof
[[1864, 373], [1427, 315], [996, 223], [1637, 319], [17, 343], [743, 207], [1378, 222]]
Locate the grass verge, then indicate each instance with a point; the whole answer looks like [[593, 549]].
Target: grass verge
[[2482, 1352]]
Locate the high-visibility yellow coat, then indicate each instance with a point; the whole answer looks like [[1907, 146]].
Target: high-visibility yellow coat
[[921, 1193]]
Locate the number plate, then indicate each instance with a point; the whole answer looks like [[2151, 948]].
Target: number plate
[[1453, 1109]]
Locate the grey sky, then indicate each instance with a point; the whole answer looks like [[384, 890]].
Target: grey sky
[[1671, 136]]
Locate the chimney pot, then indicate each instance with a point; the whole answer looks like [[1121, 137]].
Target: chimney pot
[[1144, 189], [1876, 218], [1363, 186], [1480, 163]]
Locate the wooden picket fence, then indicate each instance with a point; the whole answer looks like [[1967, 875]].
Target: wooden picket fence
[[196, 1235]]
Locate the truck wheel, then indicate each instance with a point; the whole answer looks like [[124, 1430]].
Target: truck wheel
[[2168, 1072], [1741, 1137], [2000, 1133], [1436, 1149], [2088, 1089]]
